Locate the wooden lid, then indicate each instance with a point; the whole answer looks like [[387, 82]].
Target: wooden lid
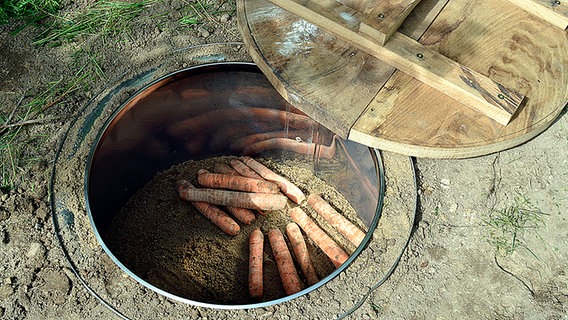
[[365, 99]]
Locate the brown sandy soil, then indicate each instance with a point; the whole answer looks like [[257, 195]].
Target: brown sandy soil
[[451, 269]]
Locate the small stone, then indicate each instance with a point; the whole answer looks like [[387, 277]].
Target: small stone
[[454, 207], [35, 249], [445, 183], [224, 18], [202, 32], [6, 291]]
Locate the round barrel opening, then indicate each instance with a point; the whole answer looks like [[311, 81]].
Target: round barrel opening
[[171, 142]]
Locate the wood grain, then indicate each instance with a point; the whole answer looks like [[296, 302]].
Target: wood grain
[[514, 50], [385, 18], [324, 75], [554, 12], [469, 87]]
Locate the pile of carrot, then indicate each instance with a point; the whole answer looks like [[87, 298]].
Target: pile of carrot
[[245, 184]]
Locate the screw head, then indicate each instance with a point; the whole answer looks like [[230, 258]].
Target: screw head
[[501, 96], [381, 16], [419, 55]]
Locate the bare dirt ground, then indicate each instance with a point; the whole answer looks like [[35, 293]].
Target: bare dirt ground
[[490, 240]]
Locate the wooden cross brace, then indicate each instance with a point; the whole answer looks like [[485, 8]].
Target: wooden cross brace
[[375, 33]]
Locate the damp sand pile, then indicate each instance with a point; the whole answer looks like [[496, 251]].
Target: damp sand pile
[[168, 243]]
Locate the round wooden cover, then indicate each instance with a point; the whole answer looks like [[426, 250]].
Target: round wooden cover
[[364, 99]]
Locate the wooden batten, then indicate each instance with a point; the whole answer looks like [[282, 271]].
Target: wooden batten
[[385, 18], [470, 88], [554, 12]]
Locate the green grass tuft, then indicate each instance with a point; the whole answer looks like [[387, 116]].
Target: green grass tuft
[[509, 226], [199, 12], [103, 18], [18, 148], [26, 10]]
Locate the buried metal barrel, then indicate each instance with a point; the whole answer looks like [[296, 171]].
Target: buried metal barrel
[[126, 137]]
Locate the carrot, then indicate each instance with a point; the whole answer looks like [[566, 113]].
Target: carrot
[[209, 120], [321, 239], [339, 222], [287, 187], [225, 169], [211, 212], [286, 269], [224, 181], [243, 169], [301, 252], [241, 143], [244, 215], [259, 201], [256, 247], [300, 147]]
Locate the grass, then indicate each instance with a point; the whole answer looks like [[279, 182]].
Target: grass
[[17, 145], [200, 11], [102, 19], [26, 10], [510, 226]]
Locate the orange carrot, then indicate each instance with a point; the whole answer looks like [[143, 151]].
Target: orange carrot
[[286, 269], [224, 181], [256, 247], [287, 187], [344, 226], [244, 215], [205, 122], [301, 252], [259, 201], [211, 212], [243, 169], [241, 143], [327, 152], [321, 239], [225, 169]]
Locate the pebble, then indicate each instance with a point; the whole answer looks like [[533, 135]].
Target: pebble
[[454, 207], [224, 18], [55, 281], [202, 32], [445, 184], [6, 291], [35, 249]]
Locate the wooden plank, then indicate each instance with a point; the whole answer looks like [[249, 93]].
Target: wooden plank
[[554, 12], [305, 61], [411, 118], [383, 21], [465, 85]]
